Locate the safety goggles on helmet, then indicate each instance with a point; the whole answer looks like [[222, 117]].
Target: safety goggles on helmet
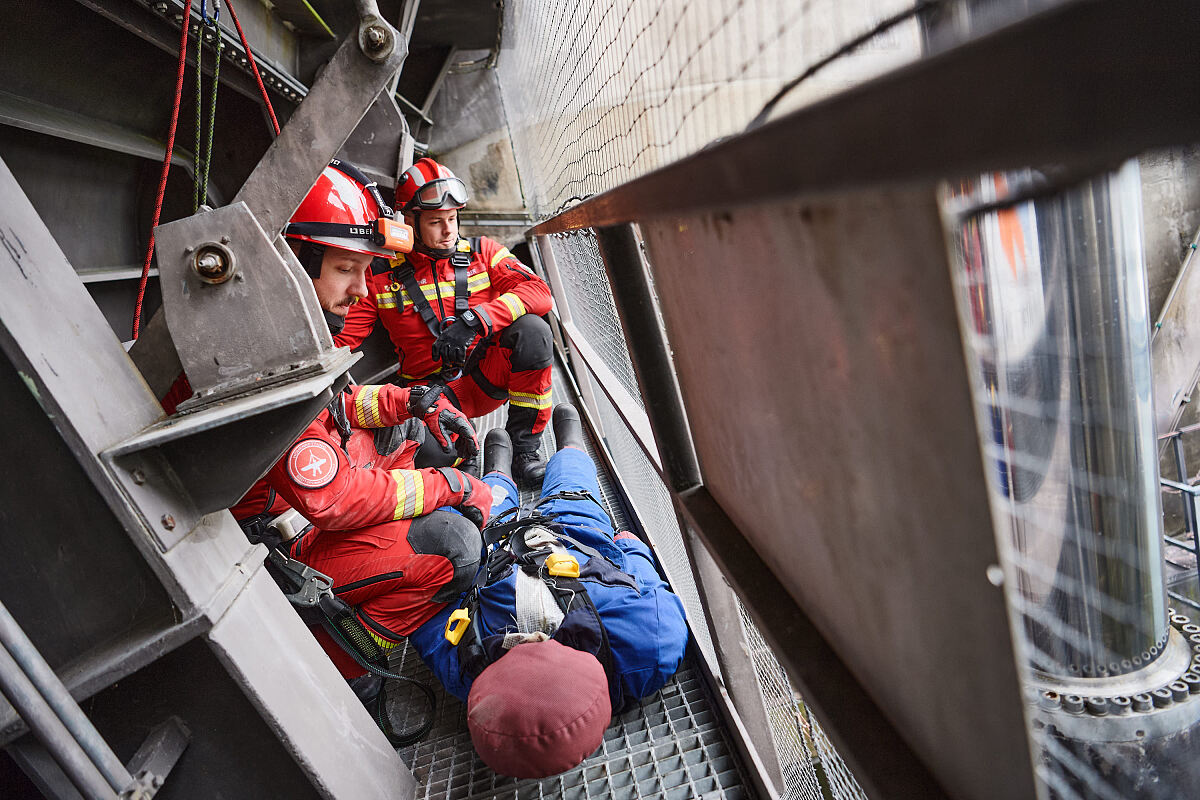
[[437, 194]]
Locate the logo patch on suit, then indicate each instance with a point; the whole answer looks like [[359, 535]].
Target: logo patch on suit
[[312, 463]]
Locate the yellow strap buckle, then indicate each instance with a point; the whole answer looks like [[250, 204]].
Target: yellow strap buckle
[[562, 565], [456, 626]]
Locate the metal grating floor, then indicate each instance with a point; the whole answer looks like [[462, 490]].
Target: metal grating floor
[[672, 745]]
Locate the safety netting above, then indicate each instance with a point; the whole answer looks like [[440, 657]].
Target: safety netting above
[[598, 92]]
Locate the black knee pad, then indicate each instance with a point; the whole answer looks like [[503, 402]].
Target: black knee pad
[[530, 341], [453, 536]]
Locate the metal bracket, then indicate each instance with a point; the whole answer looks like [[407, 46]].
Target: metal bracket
[[155, 759], [263, 322], [215, 453]]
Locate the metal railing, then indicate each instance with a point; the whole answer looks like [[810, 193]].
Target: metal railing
[[1189, 539]]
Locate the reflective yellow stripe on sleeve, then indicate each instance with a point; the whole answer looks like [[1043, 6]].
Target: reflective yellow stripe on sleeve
[[366, 407], [501, 254], [527, 400], [515, 306], [410, 493]]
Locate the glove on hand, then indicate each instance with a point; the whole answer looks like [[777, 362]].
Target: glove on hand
[[476, 502], [451, 347], [444, 420]]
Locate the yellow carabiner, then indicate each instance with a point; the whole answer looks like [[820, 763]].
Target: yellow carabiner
[[456, 626], [562, 565]]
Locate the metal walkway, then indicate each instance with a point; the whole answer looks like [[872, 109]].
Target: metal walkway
[[672, 745]]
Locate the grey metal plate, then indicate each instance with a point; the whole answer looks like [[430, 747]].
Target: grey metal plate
[[844, 405]]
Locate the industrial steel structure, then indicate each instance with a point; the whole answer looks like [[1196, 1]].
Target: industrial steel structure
[[882, 367]]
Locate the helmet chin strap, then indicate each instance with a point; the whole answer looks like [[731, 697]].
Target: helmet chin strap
[[310, 256], [334, 322]]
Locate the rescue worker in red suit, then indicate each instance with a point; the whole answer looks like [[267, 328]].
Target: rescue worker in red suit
[[463, 313], [375, 531]]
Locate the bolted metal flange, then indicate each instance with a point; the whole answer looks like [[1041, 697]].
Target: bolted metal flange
[[214, 262], [376, 39]]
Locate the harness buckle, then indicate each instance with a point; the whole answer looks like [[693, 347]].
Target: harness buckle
[[562, 565], [311, 584], [457, 625]]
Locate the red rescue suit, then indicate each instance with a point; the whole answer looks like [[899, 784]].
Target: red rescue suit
[[396, 570], [512, 354]]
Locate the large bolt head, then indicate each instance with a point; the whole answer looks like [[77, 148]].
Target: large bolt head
[[376, 37], [213, 263]]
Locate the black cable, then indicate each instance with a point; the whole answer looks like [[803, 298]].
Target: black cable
[[848, 47], [397, 740]]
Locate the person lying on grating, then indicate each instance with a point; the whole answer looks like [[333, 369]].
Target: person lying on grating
[[568, 621]]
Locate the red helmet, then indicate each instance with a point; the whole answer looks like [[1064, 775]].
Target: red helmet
[[427, 185], [342, 211]]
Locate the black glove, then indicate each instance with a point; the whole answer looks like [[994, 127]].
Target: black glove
[[444, 420], [451, 347]]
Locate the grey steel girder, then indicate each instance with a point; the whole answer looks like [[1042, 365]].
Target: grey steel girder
[[1175, 349], [260, 317], [115, 567]]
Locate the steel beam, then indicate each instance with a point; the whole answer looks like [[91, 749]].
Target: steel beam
[[1175, 348], [160, 29], [338, 100], [873, 748], [651, 358], [1102, 79]]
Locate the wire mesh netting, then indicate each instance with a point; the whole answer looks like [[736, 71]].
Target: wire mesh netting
[[597, 93], [801, 744], [585, 285], [653, 504]]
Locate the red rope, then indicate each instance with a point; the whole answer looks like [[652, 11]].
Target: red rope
[[162, 181], [253, 66]]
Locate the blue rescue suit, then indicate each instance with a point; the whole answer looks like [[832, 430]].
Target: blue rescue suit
[[646, 629]]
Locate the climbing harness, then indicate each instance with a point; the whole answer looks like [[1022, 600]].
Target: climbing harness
[[461, 262], [581, 626]]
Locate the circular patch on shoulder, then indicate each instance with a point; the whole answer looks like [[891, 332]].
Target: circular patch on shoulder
[[312, 463]]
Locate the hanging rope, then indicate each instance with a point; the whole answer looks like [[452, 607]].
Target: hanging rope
[[162, 181], [203, 157], [201, 190], [253, 66]]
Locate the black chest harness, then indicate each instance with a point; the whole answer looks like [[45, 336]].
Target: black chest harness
[[406, 277], [581, 628]]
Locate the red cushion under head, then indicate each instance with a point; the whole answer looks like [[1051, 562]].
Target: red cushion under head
[[539, 710]]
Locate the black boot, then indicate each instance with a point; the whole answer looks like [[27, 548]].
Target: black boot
[[528, 467], [568, 430], [498, 452]]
